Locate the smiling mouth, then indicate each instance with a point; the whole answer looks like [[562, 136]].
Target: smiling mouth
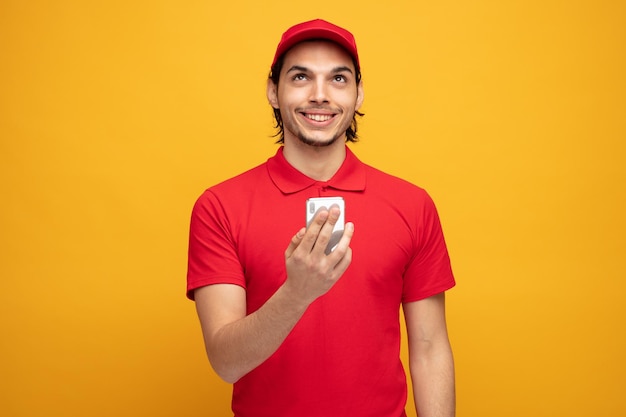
[[319, 117]]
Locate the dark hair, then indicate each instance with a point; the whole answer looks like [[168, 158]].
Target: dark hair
[[274, 75]]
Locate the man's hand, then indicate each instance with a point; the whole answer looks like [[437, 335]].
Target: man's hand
[[310, 272]]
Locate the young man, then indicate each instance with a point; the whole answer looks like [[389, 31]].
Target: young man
[[300, 331]]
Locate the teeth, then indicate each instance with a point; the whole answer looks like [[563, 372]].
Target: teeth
[[319, 117]]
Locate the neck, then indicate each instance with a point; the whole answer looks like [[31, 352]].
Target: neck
[[318, 163]]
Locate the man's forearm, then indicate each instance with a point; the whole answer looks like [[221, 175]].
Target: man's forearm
[[434, 385], [238, 347]]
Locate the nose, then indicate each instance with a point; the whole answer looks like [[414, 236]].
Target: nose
[[319, 93]]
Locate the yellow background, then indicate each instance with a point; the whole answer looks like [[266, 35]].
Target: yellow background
[[115, 116]]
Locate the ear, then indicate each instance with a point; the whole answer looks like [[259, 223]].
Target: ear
[[359, 95], [272, 93]]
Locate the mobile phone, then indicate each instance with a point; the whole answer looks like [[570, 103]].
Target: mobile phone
[[313, 205]]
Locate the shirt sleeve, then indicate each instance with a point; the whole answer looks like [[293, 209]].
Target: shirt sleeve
[[429, 271], [212, 256]]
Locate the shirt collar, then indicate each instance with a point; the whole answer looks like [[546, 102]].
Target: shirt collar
[[349, 177]]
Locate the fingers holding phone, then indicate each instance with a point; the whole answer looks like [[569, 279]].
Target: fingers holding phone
[[336, 220], [320, 253]]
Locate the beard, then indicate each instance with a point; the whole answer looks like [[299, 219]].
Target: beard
[[315, 143]]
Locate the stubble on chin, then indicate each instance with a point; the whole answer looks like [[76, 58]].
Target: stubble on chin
[[315, 143]]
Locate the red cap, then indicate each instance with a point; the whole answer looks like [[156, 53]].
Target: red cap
[[317, 29]]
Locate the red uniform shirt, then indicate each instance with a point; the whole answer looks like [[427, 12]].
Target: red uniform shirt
[[343, 356]]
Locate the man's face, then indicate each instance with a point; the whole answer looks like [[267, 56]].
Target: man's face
[[317, 93]]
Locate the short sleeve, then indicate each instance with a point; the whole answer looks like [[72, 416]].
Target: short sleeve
[[212, 256], [429, 271]]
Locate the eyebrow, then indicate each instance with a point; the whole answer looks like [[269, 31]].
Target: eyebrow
[[335, 70]]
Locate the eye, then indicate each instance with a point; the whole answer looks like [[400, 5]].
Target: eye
[[339, 78], [299, 77]]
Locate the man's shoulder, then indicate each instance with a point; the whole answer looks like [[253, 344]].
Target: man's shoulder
[[388, 183], [235, 188]]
